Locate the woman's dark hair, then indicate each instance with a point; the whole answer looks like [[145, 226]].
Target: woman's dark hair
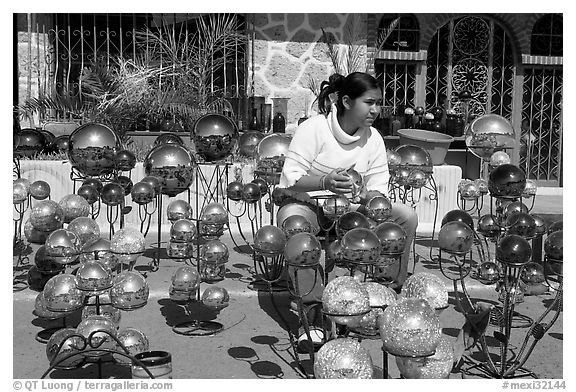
[[354, 85]]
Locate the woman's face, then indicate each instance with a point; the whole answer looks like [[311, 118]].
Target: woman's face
[[363, 110]]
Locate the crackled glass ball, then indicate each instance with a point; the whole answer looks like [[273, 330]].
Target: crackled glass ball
[[345, 300], [488, 272], [61, 294], [63, 246], [179, 209], [214, 252], [335, 206], [46, 215], [470, 191], [74, 206], [489, 133], [129, 291], [215, 297], [93, 276], [251, 193], [183, 230], [513, 250], [380, 297], [302, 249], [269, 240], [456, 238], [541, 227], [134, 341], [458, 216], [426, 286], [437, 366], [270, 156], [343, 358], [173, 165], [530, 189], [360, 246], [350, 220], [98, 332], [499, 158], [488, 227], [142, 193], [214, 136], [295, 224], [125, 160], [553, 245], [262, 184], [33, 235], [19, 193], [40, 190], [414, 157], [89, 193], [482, 185], [127, 243], [522, 224], [68, 345], [410, 327], [417, 178], [234, 191], [507, 181], [215, 214], [186, 278], [91, 149], [248, 143], [532, 273], [379, 208], [392, 238]]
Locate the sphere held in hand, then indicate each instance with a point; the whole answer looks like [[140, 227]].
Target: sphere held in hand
[[343, 358]]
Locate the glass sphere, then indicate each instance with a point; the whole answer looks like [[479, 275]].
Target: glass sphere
[[400, 176], [456, 238], [74, 206], [414, 157], [234, 190], [61, 294], [262, 184], [63, 246], [98, 332], [437, 366], [127, 243], [270, 155], [173, 165], [553, 245], [251, 193], [92, 148], [427, 286], [35, 236], [513, 250], [214, 213], [345, 301], [29, 142], [181, 296], [68, 345], [488, 227], [89, 193], [95, 182], [350, 220], [295, 224], [541, 227], [19, 193], [142, 193], [93, 276], [154, 182], [134, 341], [186, 278], [380, 297], [125, 160], [129, 291], [215, 297], [61, 143], [532, 273], [126, 184], [410, 328], [335, 206], [248, 143], [488, 272], [334, 251], [180, 250], [214, 252], [214, 136], [360, 246], [417, 178], [530, 189], [46, 215], [482, 185], [166, 138], [458, 216], [393, 158], [499, 158], [522, 224], [112, 194], [179, 209], [470, 191], [40, 309], [392, 238], [302, 249], [515, 294], [40, 190], [183, 230], [513, 208], [45, 263], [100, 251], [506, 181], [36, 279], [489, 133], [379, 208], [343, 358], [269, 240]]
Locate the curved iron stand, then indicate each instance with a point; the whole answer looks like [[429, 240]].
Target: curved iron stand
[[16, 171], [254, 213], [18, 243]]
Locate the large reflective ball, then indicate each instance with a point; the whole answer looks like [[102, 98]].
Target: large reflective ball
[[513, 250], [46, 215], [168, 137], [417, 178], [49, 137], [360, 246], [63, 246], [214, 252], [173, 165], [270, 156], [61, 293], [414, 157], [553, 245], [61, 345], [488, 227], [106, 310], [126, 184], [262, 184], [506, 181], [343, 358], [345, 300], [186, 278], [427, 286], [142, 193], [93, 276], [302, 249], [335, 206], [234, 190], [488, 272], [112, 194], [489, 133], [89, 193], [134, 341], [40, 190], [379, 208], [269, 240], [19, 193], [393, 158], [248, 143], [179, 209], [74, 206], [251, 193], [522, 224], [215, 297], [530, 189], [155, 182], [499, 158], [40, 309], [410, 328], [350, 220], [180, 250], [392, 238], [437, 366], [458, 216], [61, 143], [541, 227], [91, 149], [456, 238], [532, 273], [214, 136], [98, 332], [29, 142], [214, 213], [45, 263], [380, 297], [100, 251], [295, 224], [129, 291], [183, 230], [513, 208], [482, 185], [95, 182], [128, 243], [33, 235], [125, 160]]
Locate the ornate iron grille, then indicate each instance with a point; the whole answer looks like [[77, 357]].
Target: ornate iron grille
[[398, 81]]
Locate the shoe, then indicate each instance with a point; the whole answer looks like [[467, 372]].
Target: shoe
[[317, 336]]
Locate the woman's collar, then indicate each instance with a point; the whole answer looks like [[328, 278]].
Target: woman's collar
[[338, 132]]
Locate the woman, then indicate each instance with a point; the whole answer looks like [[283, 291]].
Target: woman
[[324, 147]]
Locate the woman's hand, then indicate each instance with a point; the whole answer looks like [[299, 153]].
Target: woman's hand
[[337, 181]]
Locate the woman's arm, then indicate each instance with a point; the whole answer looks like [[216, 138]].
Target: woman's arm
[[336, 181]]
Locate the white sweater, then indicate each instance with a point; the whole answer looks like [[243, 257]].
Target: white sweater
[[319, 146]]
